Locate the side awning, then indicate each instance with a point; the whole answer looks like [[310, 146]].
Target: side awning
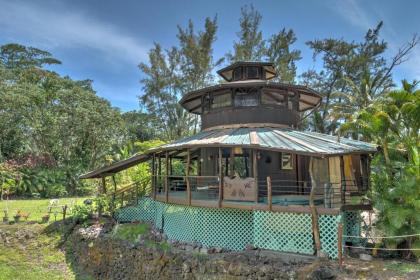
[[116, 167]]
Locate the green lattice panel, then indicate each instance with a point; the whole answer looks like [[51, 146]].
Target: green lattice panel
[[228, 228], [287, 232], [352, 221], [145, 210], [328, 230]]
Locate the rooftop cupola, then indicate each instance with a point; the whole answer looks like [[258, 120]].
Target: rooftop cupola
[[250, 98], [248, 70]]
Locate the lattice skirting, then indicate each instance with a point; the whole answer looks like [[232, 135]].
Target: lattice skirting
[[234, 228]]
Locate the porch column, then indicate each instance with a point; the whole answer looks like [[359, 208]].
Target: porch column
[[255, 171], [220, 177], [343, 181], [187, 174]]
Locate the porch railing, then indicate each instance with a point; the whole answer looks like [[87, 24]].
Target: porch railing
[[184, 189]]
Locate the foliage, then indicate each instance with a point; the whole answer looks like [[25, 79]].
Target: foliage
[[251, 46], [171, 73], [277, 48], [393, 122], [49, 122], [82, 212], [354, 74]]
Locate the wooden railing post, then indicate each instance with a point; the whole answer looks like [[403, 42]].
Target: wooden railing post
[[220, 177], [167, 177], [187, 173], [315, 225], [340, 244], [154, 178], [269, 194]]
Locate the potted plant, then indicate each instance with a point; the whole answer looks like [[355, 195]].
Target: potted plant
[[46, 218], [17, 216], [6, 216]]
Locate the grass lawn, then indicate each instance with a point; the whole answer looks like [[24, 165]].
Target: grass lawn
[[36, 208], [36, 256]]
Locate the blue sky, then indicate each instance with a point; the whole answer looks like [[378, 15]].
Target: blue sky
[[105, 40]]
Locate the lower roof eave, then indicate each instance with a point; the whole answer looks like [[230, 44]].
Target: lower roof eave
[[315, 154]]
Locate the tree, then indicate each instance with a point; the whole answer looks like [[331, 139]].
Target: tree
[[279, 52], [53, 126], [173, 72], [251, 46], [393, 122], [353, 75]]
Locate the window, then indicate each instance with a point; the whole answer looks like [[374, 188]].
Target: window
[[221, 100], [246, 98], [252, 72], [273, 97], [286, 161], [241, 163], [237, 74]]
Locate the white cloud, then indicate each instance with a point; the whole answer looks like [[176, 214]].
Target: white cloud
[[57, 27], [361, 16], [352, 12]]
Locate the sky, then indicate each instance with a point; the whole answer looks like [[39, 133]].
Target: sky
[[105, 40]]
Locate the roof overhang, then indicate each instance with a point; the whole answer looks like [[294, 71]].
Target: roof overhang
[[116, 167], [308, 98]]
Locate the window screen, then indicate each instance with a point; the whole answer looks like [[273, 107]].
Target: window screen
[[246, 99], [237, 74], [221, 100], [252, 72], [273, 98]]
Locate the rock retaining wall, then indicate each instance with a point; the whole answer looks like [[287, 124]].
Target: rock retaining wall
[[103, 257]]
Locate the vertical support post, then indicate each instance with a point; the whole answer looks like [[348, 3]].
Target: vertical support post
[[340, 245], [231, 162], [114, 204], [269, 194], [187, 178], [159, 181], [220, 158], [315, 224], [255, 171], [102, 189], [154, 177], [64, 211], [167, 177], [343, 181]]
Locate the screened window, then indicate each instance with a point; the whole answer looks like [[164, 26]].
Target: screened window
[[222, 100], [252, 72], [273, 97], [246, 99], [237, 74]]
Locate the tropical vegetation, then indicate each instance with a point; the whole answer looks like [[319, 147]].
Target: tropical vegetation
[[54, 128]]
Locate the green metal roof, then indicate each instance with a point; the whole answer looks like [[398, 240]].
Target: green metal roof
[[270, 138]]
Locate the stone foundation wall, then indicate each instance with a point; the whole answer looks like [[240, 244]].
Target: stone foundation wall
[[106, 258]]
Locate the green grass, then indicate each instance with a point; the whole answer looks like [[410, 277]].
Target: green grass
[[36, 208], [403, 266], [35, 258], [129, 232]]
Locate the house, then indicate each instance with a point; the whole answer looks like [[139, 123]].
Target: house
[[251, 176]]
